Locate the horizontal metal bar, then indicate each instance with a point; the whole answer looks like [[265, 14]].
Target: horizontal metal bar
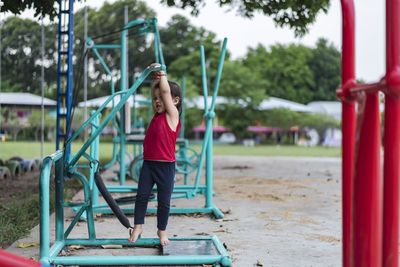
[[134, 187], [76, 204], [143, 260], [102, 46], [154, 210], [113, 241]]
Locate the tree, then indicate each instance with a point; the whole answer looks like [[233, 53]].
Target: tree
[[293, 13], [190, 65], [285, 67], [41, 7], [325, 64], [180, 38], [297, 14], [35, 122], [104, 26], [21, 55], [245, 91]]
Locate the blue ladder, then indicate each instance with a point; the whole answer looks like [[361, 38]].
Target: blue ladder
[[64, 73]]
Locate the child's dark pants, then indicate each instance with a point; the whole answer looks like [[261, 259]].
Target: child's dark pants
[[162, 174]]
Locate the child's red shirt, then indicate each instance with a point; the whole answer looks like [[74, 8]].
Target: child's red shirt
[[159, 142]]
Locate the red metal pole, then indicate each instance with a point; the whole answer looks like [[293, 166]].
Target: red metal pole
[[390, 254], [367, 205], [348, 123]]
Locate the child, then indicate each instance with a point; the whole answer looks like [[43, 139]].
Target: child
[[159, 155]]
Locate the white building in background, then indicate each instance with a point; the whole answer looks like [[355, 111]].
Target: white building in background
[[332, 136], [331, 108]]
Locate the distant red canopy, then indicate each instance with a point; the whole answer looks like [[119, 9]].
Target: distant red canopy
[[216, 129], [262, 129]]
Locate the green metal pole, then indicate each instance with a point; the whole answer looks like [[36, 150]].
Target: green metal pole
[[122, 168], [94, 153], [45, 208], [59, 199], [44, 187], [182, 134]]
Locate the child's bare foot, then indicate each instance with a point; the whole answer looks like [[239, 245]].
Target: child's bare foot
[[137, 230], [163, 237]]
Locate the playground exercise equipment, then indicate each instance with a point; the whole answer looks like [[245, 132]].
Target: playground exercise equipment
[[123, 123], [207, 250], [133, 135], [370, 201], [188, 160]]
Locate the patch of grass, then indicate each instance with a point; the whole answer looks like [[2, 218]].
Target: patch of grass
[[18, 217], [19, 214], [30, 150]]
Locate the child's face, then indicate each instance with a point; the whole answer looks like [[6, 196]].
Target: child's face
[[157, 102]]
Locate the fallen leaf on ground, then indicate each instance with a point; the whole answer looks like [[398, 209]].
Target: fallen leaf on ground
[[111, 246], [25, 245], [259, 263], [75, 247], [219, 231], [201, 233]]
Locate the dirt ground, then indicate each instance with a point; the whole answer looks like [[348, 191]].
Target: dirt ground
[[280, 211], [15, 188]]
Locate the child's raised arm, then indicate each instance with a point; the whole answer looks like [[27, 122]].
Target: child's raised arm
[[165, 92]]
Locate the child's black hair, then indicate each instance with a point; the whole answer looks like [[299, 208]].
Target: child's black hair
[[175, 92]]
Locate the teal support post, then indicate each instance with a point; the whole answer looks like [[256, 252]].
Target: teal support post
[[59, 199], [183, 84], [44, 188], [122, 169], [209, 115], [94, 153]]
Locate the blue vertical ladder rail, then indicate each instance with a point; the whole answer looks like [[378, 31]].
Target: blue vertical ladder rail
[[64, 72]]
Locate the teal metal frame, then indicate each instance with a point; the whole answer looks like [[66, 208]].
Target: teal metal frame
[[70, 167], [145, 27], [180, 191], [49, 254]]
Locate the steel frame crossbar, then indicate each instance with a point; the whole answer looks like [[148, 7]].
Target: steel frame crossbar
[[370, 201]]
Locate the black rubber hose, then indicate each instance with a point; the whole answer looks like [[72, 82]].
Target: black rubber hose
[[111, 202]]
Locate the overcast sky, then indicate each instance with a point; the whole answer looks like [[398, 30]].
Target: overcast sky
[[243, 33]]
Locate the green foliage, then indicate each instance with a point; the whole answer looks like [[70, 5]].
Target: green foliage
[[35, 122], [21, 55], [190, 65], [104, 27], [41, 7], [294, 72], [17, 219], [245, 90], [284, 119], [286, 70], [325, 64], [293, 13]]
